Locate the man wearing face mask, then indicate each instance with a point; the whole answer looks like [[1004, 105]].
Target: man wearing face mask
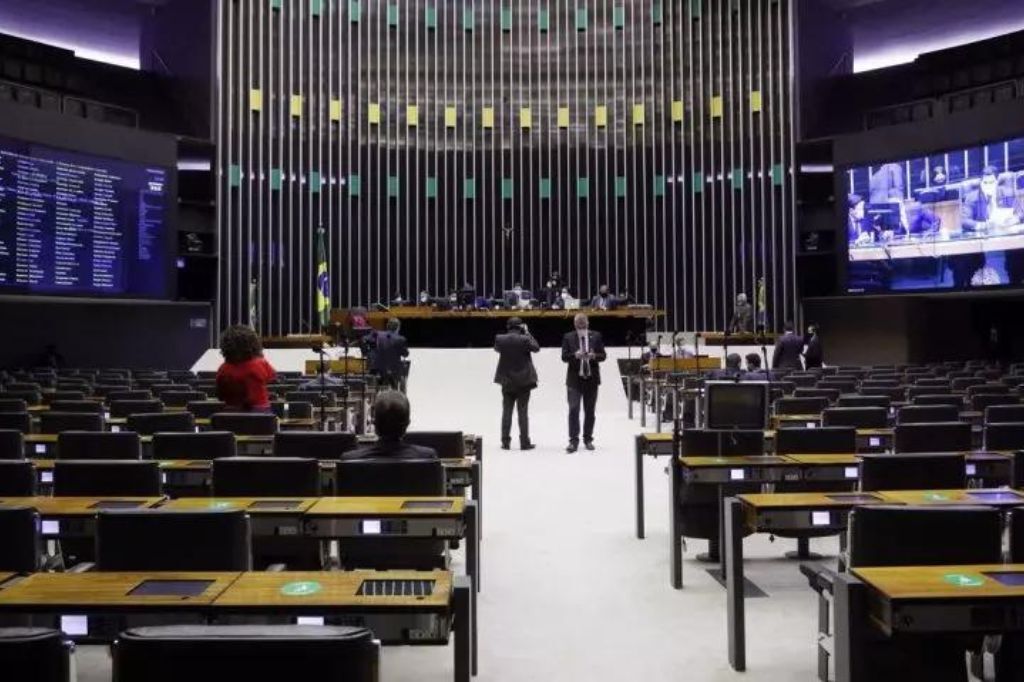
[[603, 300], [985, 208]]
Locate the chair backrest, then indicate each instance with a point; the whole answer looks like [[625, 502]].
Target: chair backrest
[[119, 395], [847, 385], [178, 398], [389, 477], [20, 539], [57, 422], [99, 445], [266, 477], [258, 653], [963, 383], [447, 444], [831, 394], [295, 409], [37, 654], [864, 401], [715, 443], [12, 444], [13, 405], [926, 414], [156, 540], [988, 389], [935, 437], [311, 397], [315, 444], [800, 405], [858, 417], [983, 401], [120, 478], [202, 445], [884, 535], [16, 421], [63, 395], [204, 409], [914, 391], [1004, 413], [1004, 436], [17, 479], [913, 471], [79, 406], [892, 392], [125, 408], [30, 396], [245, 423], [933, 382], [148, 424], [825, 440], [941, 399]]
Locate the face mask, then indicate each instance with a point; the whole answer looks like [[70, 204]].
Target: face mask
[[988, 187]]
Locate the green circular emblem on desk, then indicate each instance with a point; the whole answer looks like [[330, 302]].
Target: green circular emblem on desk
[[301, 588], [221, 504], [964, 580], [936, 497]]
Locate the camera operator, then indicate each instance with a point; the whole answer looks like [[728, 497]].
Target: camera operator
[[517, 377]]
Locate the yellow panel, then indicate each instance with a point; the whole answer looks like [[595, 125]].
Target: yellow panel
[[412, 115], [677, 111], [638, 114], [335, 109], [296, 105], [601, 116], [755, 100], [256, 100], [488, 117], [563, 117], [374, 113], [716, 106], [525, 118], [451, 117]]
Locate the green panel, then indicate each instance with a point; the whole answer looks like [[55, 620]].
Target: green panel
[[545, 188], [315, 182], [393, 16], [430, 16], [275, 4], [581, 19], [659, 185], [469, 188], [657, 12], [355, 11], [778, 173], [698, 182], [431, 188], [737, 178], [275, 178], [394, 187], [315, 7], [468, 19], [543, 20], [506, 18], [234, 175], [618, 16], [508, 187], [620, 186], [695, 8], [355, 185], [583, 188]]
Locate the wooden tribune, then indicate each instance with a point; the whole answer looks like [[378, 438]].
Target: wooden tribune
[[339, 366], [690, 364]]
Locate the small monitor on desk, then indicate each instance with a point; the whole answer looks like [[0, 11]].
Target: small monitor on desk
[[736, 405]]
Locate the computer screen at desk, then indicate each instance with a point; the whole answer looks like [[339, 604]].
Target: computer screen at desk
[[732, 405]]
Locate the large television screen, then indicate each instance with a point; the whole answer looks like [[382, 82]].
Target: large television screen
[[948, 221], [78, 224]]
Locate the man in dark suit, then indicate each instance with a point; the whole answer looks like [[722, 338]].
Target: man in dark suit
[[732, 371], [788, 350], [582, 351], [387, 350], [391, 420], [814, 355], [517, 377]]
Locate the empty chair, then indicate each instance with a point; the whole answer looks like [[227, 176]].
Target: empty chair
[[181, 376], [13, 405], [101, 445], [17, 478], [24, 386], [892, 392], [125, 408], [913, 471], [1004, 436], [30, 396], [830, 394], [178, 398], [16, 421], [204, 409], [84, 406], [311, 397], [447, 444], [788, 406], [926, 414], [314, 444], [36, 654], [202, 445], [988, 389], [825, 440], [54, 396], [915, 391], [864, 401], [12, 444], [245, 423], [843, 385], [20, 538], [936, 437], [933, 382], [156, 539], [879, 383], [964, 383], [291, 410], [884, 535], [266, 477], [120, 478], [255, 653], [995, 414], [980, 402], [159, 387], [56, 422], [858, 417], [941, 399], [129, 395], [148, 424]]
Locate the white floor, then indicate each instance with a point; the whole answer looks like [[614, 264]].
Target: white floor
[[569, 593]]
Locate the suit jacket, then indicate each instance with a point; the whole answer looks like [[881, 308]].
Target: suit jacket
[[813, 356], [386, 352], [570, 346], [742, 319], [390, 450], [602, 302], [515, 370], [788, 351], [886, 184], [975, 209]]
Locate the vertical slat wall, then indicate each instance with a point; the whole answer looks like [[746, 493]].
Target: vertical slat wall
[[647, 144]]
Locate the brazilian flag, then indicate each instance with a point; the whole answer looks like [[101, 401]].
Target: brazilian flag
[[323, 281]]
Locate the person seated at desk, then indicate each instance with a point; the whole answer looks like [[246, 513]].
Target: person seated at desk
[[391, 421], [387, 349], [243, 377], [604, 299], [733, 369], [754, 370]]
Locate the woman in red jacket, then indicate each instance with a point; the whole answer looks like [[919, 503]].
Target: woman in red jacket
[[242, 379]]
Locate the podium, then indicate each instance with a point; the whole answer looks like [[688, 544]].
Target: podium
[[690, 364], [339, 366]]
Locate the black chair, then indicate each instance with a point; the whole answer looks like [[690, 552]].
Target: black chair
[[99, 445], [913, 392], [30, 396], [178, 398], [933, 382], [245, 423], [16, 421], [864, 401], [117, 396], [125, 408], [78, 406], [34, 654], [964, 383], [266, 477], [983, 401], [947, 399], [292, 410], [255, 653], [894, 393], [830, 394], [202, 445], [988, 389], [913, 472], [447, 444], [388, 478], [115, 478], [1004, 436], [21, 540], [889, 535], [17, 478], [57, 422], [843, 385], [204, 409], [995, 414], [60, 396], [858, 417], [148, 424], [787, 406], [315, 444], [15, 405], [926, 414], [936, 437], [12, 444], [825, 440], [311, 397], [155, 540]]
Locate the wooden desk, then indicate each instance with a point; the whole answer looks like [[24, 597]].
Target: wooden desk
[[97, 592], [78, 506], [985, 497], [270, 517], [4, 577]]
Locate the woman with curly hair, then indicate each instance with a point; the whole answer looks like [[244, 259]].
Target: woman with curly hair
[[242, 379]]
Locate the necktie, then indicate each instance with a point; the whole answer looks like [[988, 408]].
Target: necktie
[[585, 361]]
